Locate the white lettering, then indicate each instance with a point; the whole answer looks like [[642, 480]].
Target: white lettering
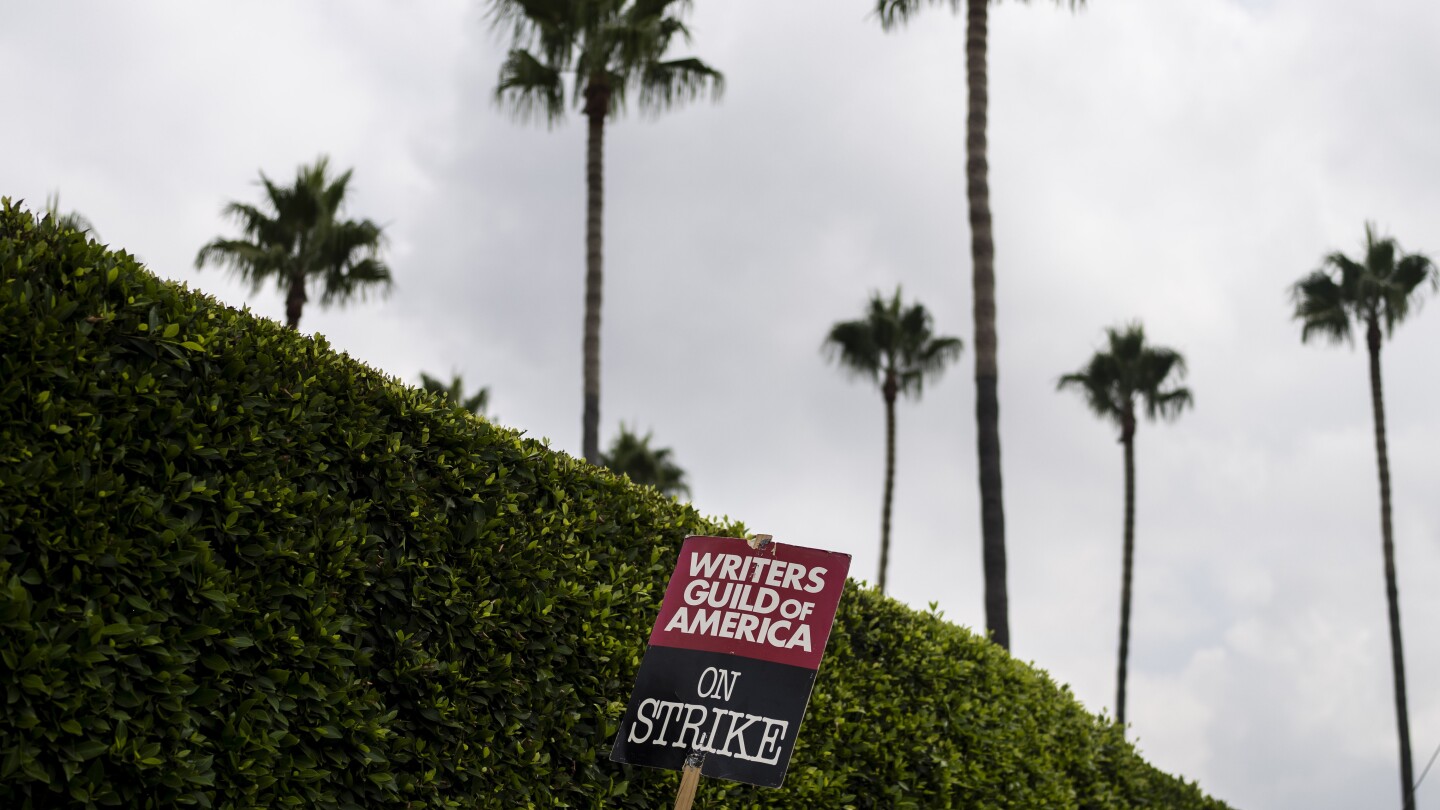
[[760, 564], [641, 718], [703, 565], [691, 595], [679, 620], [708, 625], [691, 710], [721, 683], [801, 638], [738, 734], [742, 736], [670, 708], [772, 737], [761, 606], [727, 626], [774, 639], [816, 583], [731, 568], [746, 627]]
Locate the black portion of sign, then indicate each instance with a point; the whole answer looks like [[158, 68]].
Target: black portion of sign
[[743, 714]]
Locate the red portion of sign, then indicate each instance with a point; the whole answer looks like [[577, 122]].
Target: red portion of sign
[[775, 603]]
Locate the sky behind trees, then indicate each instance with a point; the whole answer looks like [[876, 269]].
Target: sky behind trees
[[1181, 163]]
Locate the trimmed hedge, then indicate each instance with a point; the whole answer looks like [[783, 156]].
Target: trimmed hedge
[[238, 569]]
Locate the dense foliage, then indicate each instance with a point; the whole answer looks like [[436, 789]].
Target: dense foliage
[[238, 569]]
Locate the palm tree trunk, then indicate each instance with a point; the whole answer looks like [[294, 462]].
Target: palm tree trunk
[[1127, 570], [1392, 594], [889, 484], [597, 103], [295, 302], [987, 403]]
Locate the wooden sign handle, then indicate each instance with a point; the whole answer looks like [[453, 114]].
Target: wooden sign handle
[[689, 781]]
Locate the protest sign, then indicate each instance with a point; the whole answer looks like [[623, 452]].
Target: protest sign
[[732, 659]]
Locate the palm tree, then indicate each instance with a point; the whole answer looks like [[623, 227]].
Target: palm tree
[[1113, 383], [454, 392], [894, 13], [895, 347], [1377, 293], [631, 454], [609, 49], [71, 220], [298, 237]]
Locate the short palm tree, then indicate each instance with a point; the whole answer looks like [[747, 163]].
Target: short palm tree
[[631, 454], [1127, 377], [73, 220], [296, 238], [893, 346], [1374, 293], [609, 49], [454, 392], [892, 14]]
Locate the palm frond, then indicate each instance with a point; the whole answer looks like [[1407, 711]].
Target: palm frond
[[926, 359], [356, 280], [454, 393], [1157, 363], [1095, 386], [1403, 287], [337, 241], [631, 41], [550, 26], [892, 342], [1169, 404], [631, 455], [852, 346], [69, 220], [261, 228], [667, 84], [330, 195], [1383, 289], [1321, 307], [1413, 270], [252, 262], [529, 88], [642, 10], [1130, 370], [1379, 251], [895, 13]]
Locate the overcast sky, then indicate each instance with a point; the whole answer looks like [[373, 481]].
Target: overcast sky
[[1178, 162]]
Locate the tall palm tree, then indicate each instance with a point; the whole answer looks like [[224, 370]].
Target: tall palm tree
[[631, 454], [608, 49], [297, 237], [1375, 293], [895, 347], [892, 14], [454, 392], [1114, 383]]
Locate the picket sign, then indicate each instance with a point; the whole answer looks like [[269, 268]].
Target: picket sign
[[732, 660]]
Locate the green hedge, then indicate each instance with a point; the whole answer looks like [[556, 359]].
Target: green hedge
[[238, 569]]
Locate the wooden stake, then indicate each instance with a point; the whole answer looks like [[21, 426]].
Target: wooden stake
[[689, 781]]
